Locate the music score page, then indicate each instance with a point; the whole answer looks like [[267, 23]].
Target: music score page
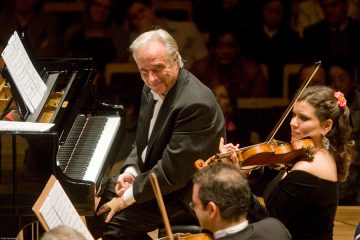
[[28, 81], [56, 209]]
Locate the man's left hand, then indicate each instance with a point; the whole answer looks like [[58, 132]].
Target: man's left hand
[[113, 206]]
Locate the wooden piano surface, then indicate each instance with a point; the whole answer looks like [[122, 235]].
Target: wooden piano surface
[[346, 220]]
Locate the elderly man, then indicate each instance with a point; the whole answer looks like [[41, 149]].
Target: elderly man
[[179, 122]]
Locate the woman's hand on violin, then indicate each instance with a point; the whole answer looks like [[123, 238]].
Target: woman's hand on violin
[[113, 206], [229, 148]]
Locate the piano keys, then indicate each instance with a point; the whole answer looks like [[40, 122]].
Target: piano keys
[[87, 145]]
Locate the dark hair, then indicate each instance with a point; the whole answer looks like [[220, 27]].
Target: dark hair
[[148, 3], [326, 107], [224, 184], [217, 34]]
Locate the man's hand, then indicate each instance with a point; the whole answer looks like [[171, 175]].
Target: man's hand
[[124, 181], [113, 206]]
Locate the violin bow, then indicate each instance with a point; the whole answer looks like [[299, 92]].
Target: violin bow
[[160, 201], [297, 96]]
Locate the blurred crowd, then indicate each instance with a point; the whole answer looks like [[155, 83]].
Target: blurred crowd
[[225, 43]]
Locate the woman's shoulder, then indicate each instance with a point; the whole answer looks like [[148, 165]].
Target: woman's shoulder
[[323, 166]]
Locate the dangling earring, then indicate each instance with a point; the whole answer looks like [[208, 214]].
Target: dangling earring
[[325, 142]]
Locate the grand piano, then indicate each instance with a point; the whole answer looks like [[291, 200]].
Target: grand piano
[[86, 133]]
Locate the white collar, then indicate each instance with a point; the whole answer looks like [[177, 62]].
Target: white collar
[[270, 33], [230, 230], [158, 97]]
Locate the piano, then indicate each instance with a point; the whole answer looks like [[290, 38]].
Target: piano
[[86, 134]]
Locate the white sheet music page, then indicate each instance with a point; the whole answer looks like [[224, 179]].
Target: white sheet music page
[[31, 87], [15, 126], [57, 210]]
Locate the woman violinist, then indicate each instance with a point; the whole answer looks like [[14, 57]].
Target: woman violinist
[[305, 196]]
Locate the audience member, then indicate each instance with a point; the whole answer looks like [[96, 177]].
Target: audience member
[[310, 12], [341, 78], [304, 73], [226, 65], [41, 29], [142, 17], [96, 35], [336, 37], [234, 14], [221, 198], [238, 128], [62, 232], [305, 197], [273, 43], [186, 124], [341, 75]]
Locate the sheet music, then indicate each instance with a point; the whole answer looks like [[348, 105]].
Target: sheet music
[[14, 126], [31, 87], [57, 210]]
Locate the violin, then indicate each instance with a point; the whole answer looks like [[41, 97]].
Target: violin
[[271, 152]]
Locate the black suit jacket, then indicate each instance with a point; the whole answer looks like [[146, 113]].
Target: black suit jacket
[[188, 127], [266, 229]]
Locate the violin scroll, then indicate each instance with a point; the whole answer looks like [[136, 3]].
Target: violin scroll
[[200, 164]]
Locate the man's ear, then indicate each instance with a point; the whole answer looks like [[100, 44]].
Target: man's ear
[[212, 209]]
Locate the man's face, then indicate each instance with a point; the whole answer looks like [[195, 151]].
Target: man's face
[[273, 14], [341, 80], [141, 15], [100, 10], [157, 69], [335, 11], [201, 213], [226, 49]]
